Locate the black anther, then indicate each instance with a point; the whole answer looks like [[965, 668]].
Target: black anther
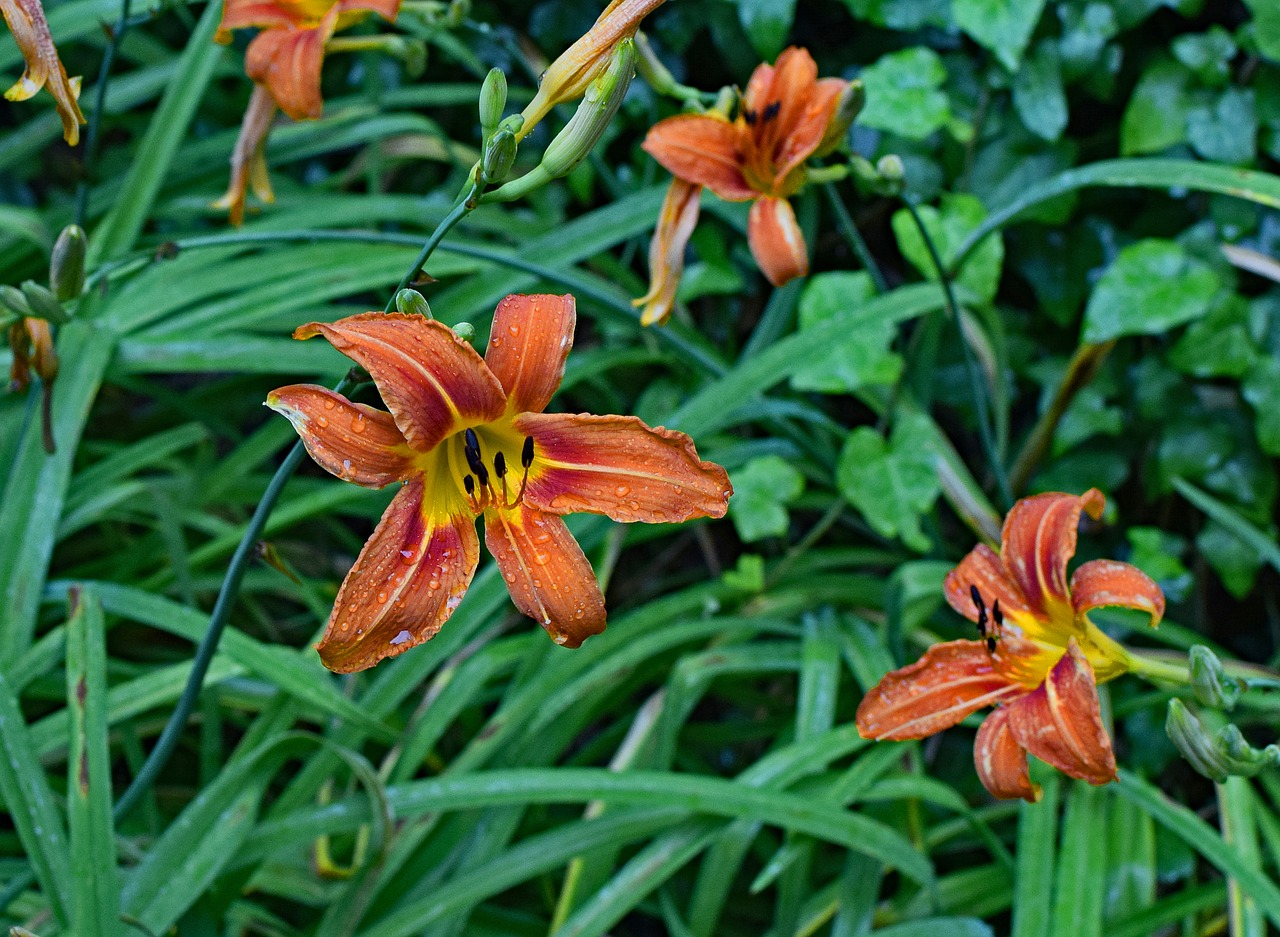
[[499, 464], [771, 111], [526, 454], [469, 483], [749, 116]]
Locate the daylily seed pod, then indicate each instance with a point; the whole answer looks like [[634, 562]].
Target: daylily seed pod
[[493, 100], [412, 303], [66, 263]]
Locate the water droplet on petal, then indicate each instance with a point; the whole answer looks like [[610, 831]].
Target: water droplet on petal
[[328, 404], [514, 330], [621, 490], [322, 422], [382, 597], [559, 637], [358, 424], [433, 584], [542, 538]]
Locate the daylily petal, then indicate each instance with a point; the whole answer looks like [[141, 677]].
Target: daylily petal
[[950, 681], [1001, 761], [982, 568], [619, 467], [546, 572], [528, 345], [405, 584], [433, 382], [1061, 722], [248, 164], [776, 241], [357, 443], [387, 9], [805, 123], [702, 149], [1038, 540], [264, 14], [676, 221], [1100, 583], [789, 138], [288, 62], [43, 67]]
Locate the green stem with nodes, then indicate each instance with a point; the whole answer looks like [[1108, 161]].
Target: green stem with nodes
[[821, 175], [985, 432], [99, 105], [168, 741], [1174, 667], [1081, 370]]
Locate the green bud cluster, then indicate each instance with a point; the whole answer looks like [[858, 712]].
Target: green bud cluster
[[1210, 681], [1217, 755]]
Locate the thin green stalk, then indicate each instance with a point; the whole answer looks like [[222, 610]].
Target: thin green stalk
[[851, 234], [970, 366], [465, 205], [99, 105], [168, 740], [1080, 371]]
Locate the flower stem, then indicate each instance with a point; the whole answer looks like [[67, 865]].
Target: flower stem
[[1158, 669], [980, 403], [99, 104], [1081, 370], [854, 237], [168, 740]]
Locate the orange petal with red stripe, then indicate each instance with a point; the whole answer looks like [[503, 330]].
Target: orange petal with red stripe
[[676, 221], [950, 681], [287, 61], [264, 14], [405, 584], [546, 573], [619, 467], [1100, 583], [1038, 540], [433, 382], [528, 345], [701, 149], [776, 241], [1001, 762], [357, 443], [1061, 721]]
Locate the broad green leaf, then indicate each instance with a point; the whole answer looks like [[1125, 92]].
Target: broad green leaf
[[767, 24], [1038, 96], [1003, 26], [1220, 344], [1261, 388], [1266, 21], [904, 93], [762, 489], [1156, 116], [948, 226], [1208, 54], [1225, 130], [861, 357], [903, 15], [891, 482], [1149, 288]]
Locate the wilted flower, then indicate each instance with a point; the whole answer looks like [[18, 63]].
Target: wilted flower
[[468, 438], [284, 61], [1040, 658], [44, 68]]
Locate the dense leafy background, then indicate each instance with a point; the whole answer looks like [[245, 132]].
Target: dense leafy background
[[693, 771]]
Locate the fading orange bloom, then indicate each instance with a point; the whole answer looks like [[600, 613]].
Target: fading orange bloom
[[676, 221], [44, 68], [31, 342], [760, 156], [569, 75], [1041, 658], [284, 61], [467, 438]]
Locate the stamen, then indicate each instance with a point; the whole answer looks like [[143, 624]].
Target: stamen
[[526, 454], [997, 616], [982, 609], [469, 483], [771, 111], [500, 464], [470, 437], [749, 116], [991, 644]]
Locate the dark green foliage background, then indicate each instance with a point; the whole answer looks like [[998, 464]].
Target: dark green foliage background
[[710, 728]]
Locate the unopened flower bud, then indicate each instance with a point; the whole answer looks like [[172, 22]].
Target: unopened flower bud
[[465, 331], [892, 173], [66, 264], [412, 303], [458, 11], [499, 157], [43, 304], [848, 106], [1219, 755], [1210, 682], [11, 298], [414, 56], [493, 100]]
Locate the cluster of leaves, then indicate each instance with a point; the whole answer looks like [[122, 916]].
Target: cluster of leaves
[[1095, 176]]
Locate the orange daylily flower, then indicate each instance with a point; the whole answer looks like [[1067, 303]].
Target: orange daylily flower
[[31, 342], [467, 438], [760, 157], [569, 75], [284, 61], [44, 68], [1041, 658]]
